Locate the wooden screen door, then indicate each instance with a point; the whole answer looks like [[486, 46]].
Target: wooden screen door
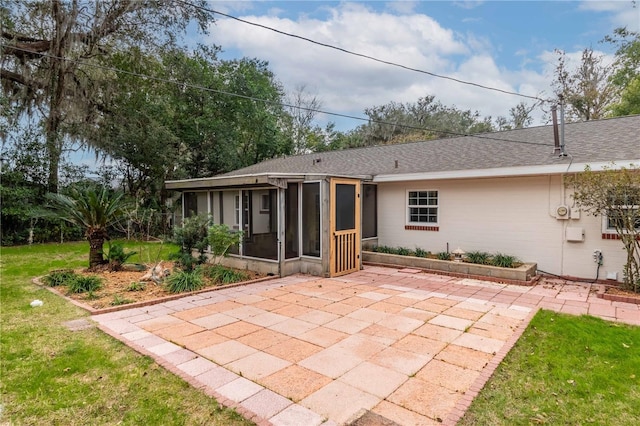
[[345, 226]]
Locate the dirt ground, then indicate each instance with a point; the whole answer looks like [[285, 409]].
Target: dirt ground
[[117, 288]]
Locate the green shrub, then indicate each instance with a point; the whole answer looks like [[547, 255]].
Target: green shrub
[[117, 256], [403, 251], [386, 249], [504, 260], [85, 283], [181, 281], [479, 257], [59, 277], [136, 286], [191, 236], [221, 239], [221, 274], [443, 255], [421, 252]]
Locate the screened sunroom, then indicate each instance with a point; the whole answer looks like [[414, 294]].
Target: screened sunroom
[[290, 223]]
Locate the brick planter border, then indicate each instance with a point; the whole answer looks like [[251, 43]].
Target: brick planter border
[[38, 281], [616, 297]]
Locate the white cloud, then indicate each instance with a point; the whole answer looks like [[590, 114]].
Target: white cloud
[[622, 13], [402, 6], [468, 4], [348, 84]]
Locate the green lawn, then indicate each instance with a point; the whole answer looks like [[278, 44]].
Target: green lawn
[[50, 375], [565, 370]]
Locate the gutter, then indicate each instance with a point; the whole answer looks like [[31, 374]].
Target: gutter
[[251, 179], [550, 169]]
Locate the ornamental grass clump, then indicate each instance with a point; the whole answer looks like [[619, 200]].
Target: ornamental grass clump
[[503, 260], [183, 281], [85, 284], [443, 255], [59, 277], [421, 252], [478, 257], [222, 275]]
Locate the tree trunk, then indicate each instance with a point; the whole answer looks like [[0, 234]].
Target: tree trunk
[[57, 86], [96, 241]]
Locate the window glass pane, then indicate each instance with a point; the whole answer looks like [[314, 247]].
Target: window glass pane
[[291, 238], [229, 213], [418, 210], [260, 226], [190, 204], [345, 207], [311, 219], [369, 211], [214, 202], [622, 218]]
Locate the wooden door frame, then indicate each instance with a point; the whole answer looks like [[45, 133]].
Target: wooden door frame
[[332, 226]]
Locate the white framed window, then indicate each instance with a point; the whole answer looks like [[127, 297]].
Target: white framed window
[[422, 207], [264, 203]]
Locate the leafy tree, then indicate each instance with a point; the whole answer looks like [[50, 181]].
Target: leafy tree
[[92, 210], [519, 117], [629, 100], [627, 63], [615, 194], [255, 125], [302, 112], [49, 48], [587, 90], [425, 119], [627, 75], [22, 188]]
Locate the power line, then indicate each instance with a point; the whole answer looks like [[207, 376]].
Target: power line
[[362, 55], [265, 101]]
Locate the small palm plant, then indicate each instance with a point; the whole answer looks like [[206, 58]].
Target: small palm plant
[[92, 210]]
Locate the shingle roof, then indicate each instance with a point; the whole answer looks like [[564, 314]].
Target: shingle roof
[[610, 140]]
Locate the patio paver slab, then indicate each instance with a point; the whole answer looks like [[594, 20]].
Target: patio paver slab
[[405, 346]]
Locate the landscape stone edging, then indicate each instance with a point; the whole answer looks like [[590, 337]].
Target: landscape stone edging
[[616, 297], [37, 281]]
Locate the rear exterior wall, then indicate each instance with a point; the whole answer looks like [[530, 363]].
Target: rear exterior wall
[[514, 216]]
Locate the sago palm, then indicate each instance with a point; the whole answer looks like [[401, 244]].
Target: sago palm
[[94, 211]]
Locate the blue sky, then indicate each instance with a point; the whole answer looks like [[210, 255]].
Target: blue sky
[[504, 44]]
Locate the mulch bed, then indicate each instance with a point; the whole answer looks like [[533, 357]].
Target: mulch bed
[[115, 293]]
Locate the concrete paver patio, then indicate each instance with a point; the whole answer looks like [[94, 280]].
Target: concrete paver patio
[[412, 347]]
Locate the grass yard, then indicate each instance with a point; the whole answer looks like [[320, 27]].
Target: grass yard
[[51, 375], [565, 370]]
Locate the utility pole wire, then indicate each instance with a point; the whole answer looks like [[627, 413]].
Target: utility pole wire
[[265, 101], [362, 55]]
